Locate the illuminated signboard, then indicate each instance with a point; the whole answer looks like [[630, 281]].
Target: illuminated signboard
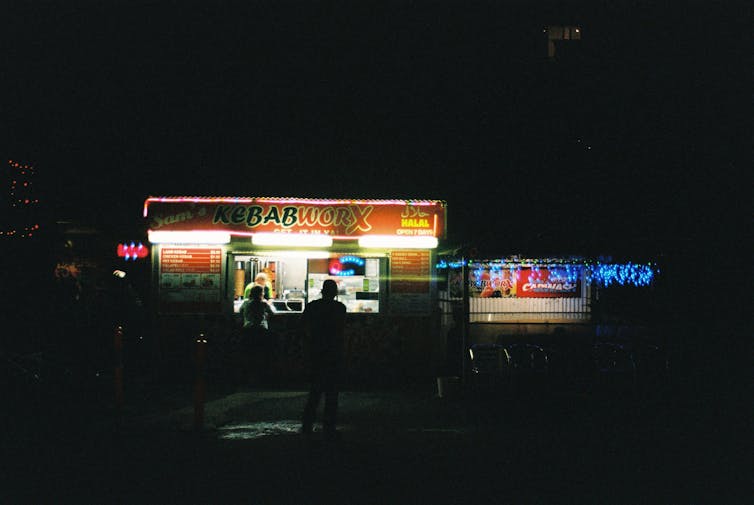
[[190, 280], [528, 282], [335, 218], [132, 251]]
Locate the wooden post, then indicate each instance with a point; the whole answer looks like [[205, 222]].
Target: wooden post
[[200, 385]]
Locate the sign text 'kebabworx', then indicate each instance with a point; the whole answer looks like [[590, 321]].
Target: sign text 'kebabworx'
[[345, 219], [351, 218]]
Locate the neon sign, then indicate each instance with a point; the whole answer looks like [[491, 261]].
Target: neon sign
[[346, 265], [132, 251]]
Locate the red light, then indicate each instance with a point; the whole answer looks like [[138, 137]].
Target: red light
[[132, 251]]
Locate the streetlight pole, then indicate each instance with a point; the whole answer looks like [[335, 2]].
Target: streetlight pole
[[466, 310]]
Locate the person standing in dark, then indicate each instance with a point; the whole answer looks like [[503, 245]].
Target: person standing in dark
[[324, 321], [256, 313]]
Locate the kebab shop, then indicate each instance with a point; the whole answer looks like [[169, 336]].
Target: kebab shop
[[381, 253]]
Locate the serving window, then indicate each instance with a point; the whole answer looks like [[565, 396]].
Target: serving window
[[294, 281], [358, 281]]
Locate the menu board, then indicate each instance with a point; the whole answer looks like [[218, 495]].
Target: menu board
[[190, 279], [409, 271], [409, 281]]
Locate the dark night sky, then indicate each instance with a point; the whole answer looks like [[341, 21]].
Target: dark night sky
[[629, 144]]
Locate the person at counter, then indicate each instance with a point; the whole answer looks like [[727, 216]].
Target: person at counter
[[256, 313], [324, 321], [262, 281]]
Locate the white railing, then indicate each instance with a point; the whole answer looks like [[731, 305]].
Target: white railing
[[529, 309]]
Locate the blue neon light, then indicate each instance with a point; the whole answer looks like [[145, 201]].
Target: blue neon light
[[601, 274], [352, 259], [336, 267]]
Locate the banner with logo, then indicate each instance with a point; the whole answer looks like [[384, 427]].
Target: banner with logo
[[339, 218], [524, 283]]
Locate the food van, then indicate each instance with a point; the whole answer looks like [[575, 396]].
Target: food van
[[381, 253]]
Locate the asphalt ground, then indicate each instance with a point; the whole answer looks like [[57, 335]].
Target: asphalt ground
[[490, 444]]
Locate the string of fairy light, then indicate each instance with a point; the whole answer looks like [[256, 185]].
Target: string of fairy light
[[21, 201], [604, 274]]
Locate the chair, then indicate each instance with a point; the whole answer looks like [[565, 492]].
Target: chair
[[489, 363], [614, 364], [528, 357]]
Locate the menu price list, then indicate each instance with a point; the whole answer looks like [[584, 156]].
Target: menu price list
[[192, 260], [409, 271], [190, 280]]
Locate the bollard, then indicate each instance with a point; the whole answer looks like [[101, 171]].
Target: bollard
[[118, 371], [441, 381], [200, 385]]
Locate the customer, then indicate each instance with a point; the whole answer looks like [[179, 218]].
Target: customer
[[324, 322], [256, 313]]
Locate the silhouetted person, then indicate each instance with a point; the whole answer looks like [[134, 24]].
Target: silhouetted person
[[324, 321], [256, 313]]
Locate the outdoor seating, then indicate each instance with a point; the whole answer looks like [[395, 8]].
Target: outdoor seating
[[528, 358], [490, 364], [614, 365]]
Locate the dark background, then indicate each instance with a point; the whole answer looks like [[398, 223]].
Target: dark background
[[629, 143], [634, 142]]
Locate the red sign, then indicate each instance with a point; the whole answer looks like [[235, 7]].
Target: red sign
[[338, 218], [524, 283], [191, 260], [132, 251], [546, 283]]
